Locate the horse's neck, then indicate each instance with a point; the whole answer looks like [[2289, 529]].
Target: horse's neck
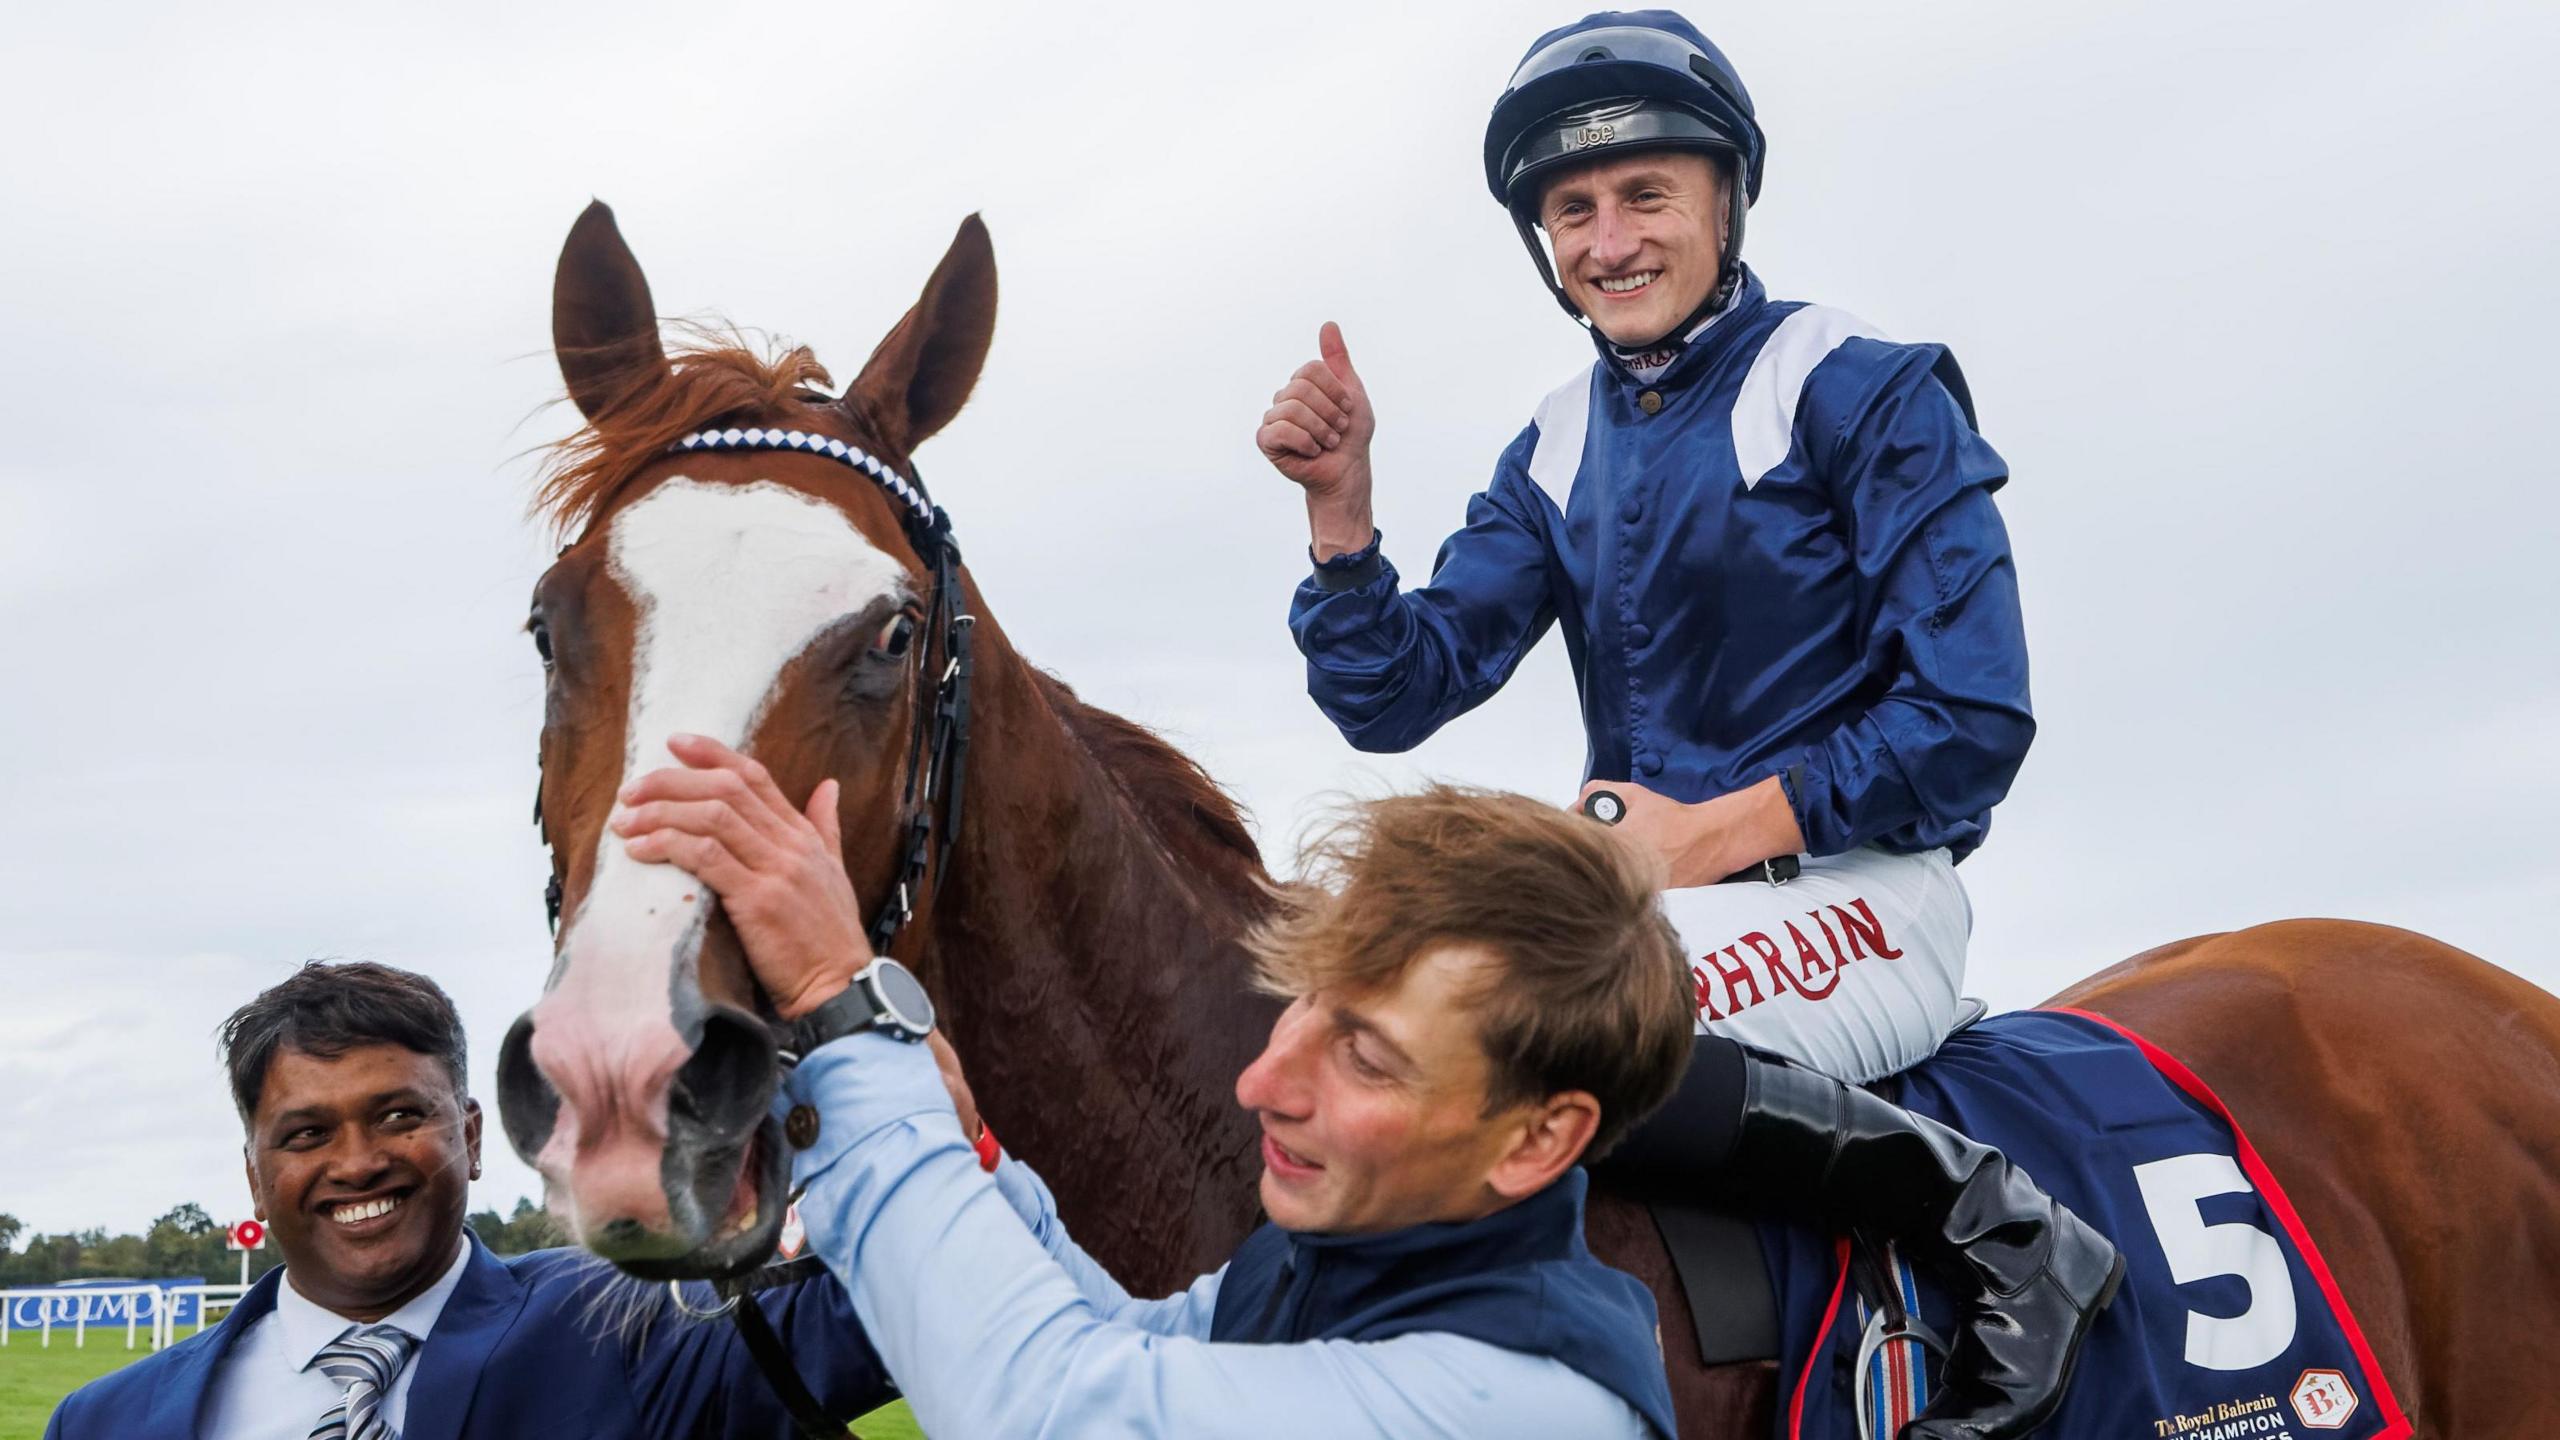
[[1097, 989]]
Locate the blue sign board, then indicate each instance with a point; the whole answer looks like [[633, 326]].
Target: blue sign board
[[66, 1304]]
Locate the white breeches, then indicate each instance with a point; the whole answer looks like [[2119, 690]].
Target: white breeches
[[1855, 967]]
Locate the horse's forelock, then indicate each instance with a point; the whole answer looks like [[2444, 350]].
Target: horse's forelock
[[715, 374]]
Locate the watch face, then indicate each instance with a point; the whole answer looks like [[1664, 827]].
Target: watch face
[[898, 988]]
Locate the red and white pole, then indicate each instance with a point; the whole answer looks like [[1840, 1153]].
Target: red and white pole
[[245, 1236]]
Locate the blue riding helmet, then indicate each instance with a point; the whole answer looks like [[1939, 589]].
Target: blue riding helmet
[[1620, 80]]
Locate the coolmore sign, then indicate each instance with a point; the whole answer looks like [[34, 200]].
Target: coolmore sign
[[101, 1303]]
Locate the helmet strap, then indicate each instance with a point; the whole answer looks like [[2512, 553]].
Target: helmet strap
[[1719, 298], [1728, 259], [1736, 206], [1546, 269]]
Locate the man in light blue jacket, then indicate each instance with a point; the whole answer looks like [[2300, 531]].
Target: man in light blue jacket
[[1484, 993]]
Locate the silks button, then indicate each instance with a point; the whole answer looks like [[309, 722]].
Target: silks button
[[1650, 402]]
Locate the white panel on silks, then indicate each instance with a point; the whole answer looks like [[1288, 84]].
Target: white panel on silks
[[1764, 413], [1563, 419]]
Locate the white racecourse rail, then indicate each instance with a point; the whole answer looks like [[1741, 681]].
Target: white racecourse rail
[[45, 1310]]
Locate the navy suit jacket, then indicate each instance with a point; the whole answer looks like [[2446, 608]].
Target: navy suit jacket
[[538, 1346]]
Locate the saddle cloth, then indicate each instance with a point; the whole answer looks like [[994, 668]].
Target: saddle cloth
[[2228, 1325]]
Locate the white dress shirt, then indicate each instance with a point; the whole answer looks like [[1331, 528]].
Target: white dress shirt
[[267, 1389]]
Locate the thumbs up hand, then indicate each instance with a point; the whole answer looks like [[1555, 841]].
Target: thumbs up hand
[[1317, 433]]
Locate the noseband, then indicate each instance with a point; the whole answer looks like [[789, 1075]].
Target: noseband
[[938, 743], [937, 763]]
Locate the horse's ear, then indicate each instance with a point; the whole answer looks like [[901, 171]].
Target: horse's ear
[[922, 374], [602, 323]]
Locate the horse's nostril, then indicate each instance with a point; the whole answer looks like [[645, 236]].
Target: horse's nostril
[[528, 1106], [619, 1233], [726, 1086]]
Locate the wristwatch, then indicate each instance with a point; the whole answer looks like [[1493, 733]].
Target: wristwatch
[[884, 996]]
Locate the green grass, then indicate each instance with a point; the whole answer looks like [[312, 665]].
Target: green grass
[[889, 1422], [33, 1381]]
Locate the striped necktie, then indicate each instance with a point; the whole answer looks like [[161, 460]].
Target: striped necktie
[[366, 1361]]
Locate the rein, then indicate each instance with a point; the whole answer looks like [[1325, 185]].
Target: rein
[[937, 764]]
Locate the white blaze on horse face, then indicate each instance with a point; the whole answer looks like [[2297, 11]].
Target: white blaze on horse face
[[728, 583]]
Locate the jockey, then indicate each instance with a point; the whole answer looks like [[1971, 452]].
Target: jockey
[[1768, 534]]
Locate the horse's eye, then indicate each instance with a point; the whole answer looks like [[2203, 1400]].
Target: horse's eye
[[895, 637], [541, 639]]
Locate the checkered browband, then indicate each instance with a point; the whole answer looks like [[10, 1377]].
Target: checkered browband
[[918, 504]]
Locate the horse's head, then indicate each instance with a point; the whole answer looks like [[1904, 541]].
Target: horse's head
[[770, 598]]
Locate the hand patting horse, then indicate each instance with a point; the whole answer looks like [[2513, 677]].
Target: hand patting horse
[[1077, 893]]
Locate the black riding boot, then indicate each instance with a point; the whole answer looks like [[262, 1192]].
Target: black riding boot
[[2038, 1274]]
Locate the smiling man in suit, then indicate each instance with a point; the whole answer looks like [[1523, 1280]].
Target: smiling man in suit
[[389, 1320]]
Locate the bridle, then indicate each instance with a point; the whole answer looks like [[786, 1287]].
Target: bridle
[[938, 743], [937, 764]]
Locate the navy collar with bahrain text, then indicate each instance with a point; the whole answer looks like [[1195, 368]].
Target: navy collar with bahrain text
[[1657, 362]]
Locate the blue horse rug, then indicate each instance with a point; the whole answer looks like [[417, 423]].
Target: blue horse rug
[[2228, 1325]]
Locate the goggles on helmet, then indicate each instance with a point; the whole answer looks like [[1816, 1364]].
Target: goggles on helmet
[[1567, 139]]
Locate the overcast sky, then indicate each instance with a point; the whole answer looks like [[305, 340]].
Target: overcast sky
[[2255, 299]]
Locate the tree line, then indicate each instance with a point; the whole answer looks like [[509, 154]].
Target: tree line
[[186, 1241]]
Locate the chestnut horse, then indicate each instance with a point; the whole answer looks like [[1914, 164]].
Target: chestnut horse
[[1078, 918]]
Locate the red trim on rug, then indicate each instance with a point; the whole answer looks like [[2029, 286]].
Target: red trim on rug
[[1821, 1337], [2396, 1423]]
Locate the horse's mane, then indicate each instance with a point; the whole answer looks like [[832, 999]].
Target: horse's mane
[[714, 373], [1190, 812]]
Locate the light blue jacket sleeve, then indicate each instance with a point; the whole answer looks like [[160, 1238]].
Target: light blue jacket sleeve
[[1186, 1313], [991, 1333]]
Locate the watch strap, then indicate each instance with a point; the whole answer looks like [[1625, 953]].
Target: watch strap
[[850, 1012]]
